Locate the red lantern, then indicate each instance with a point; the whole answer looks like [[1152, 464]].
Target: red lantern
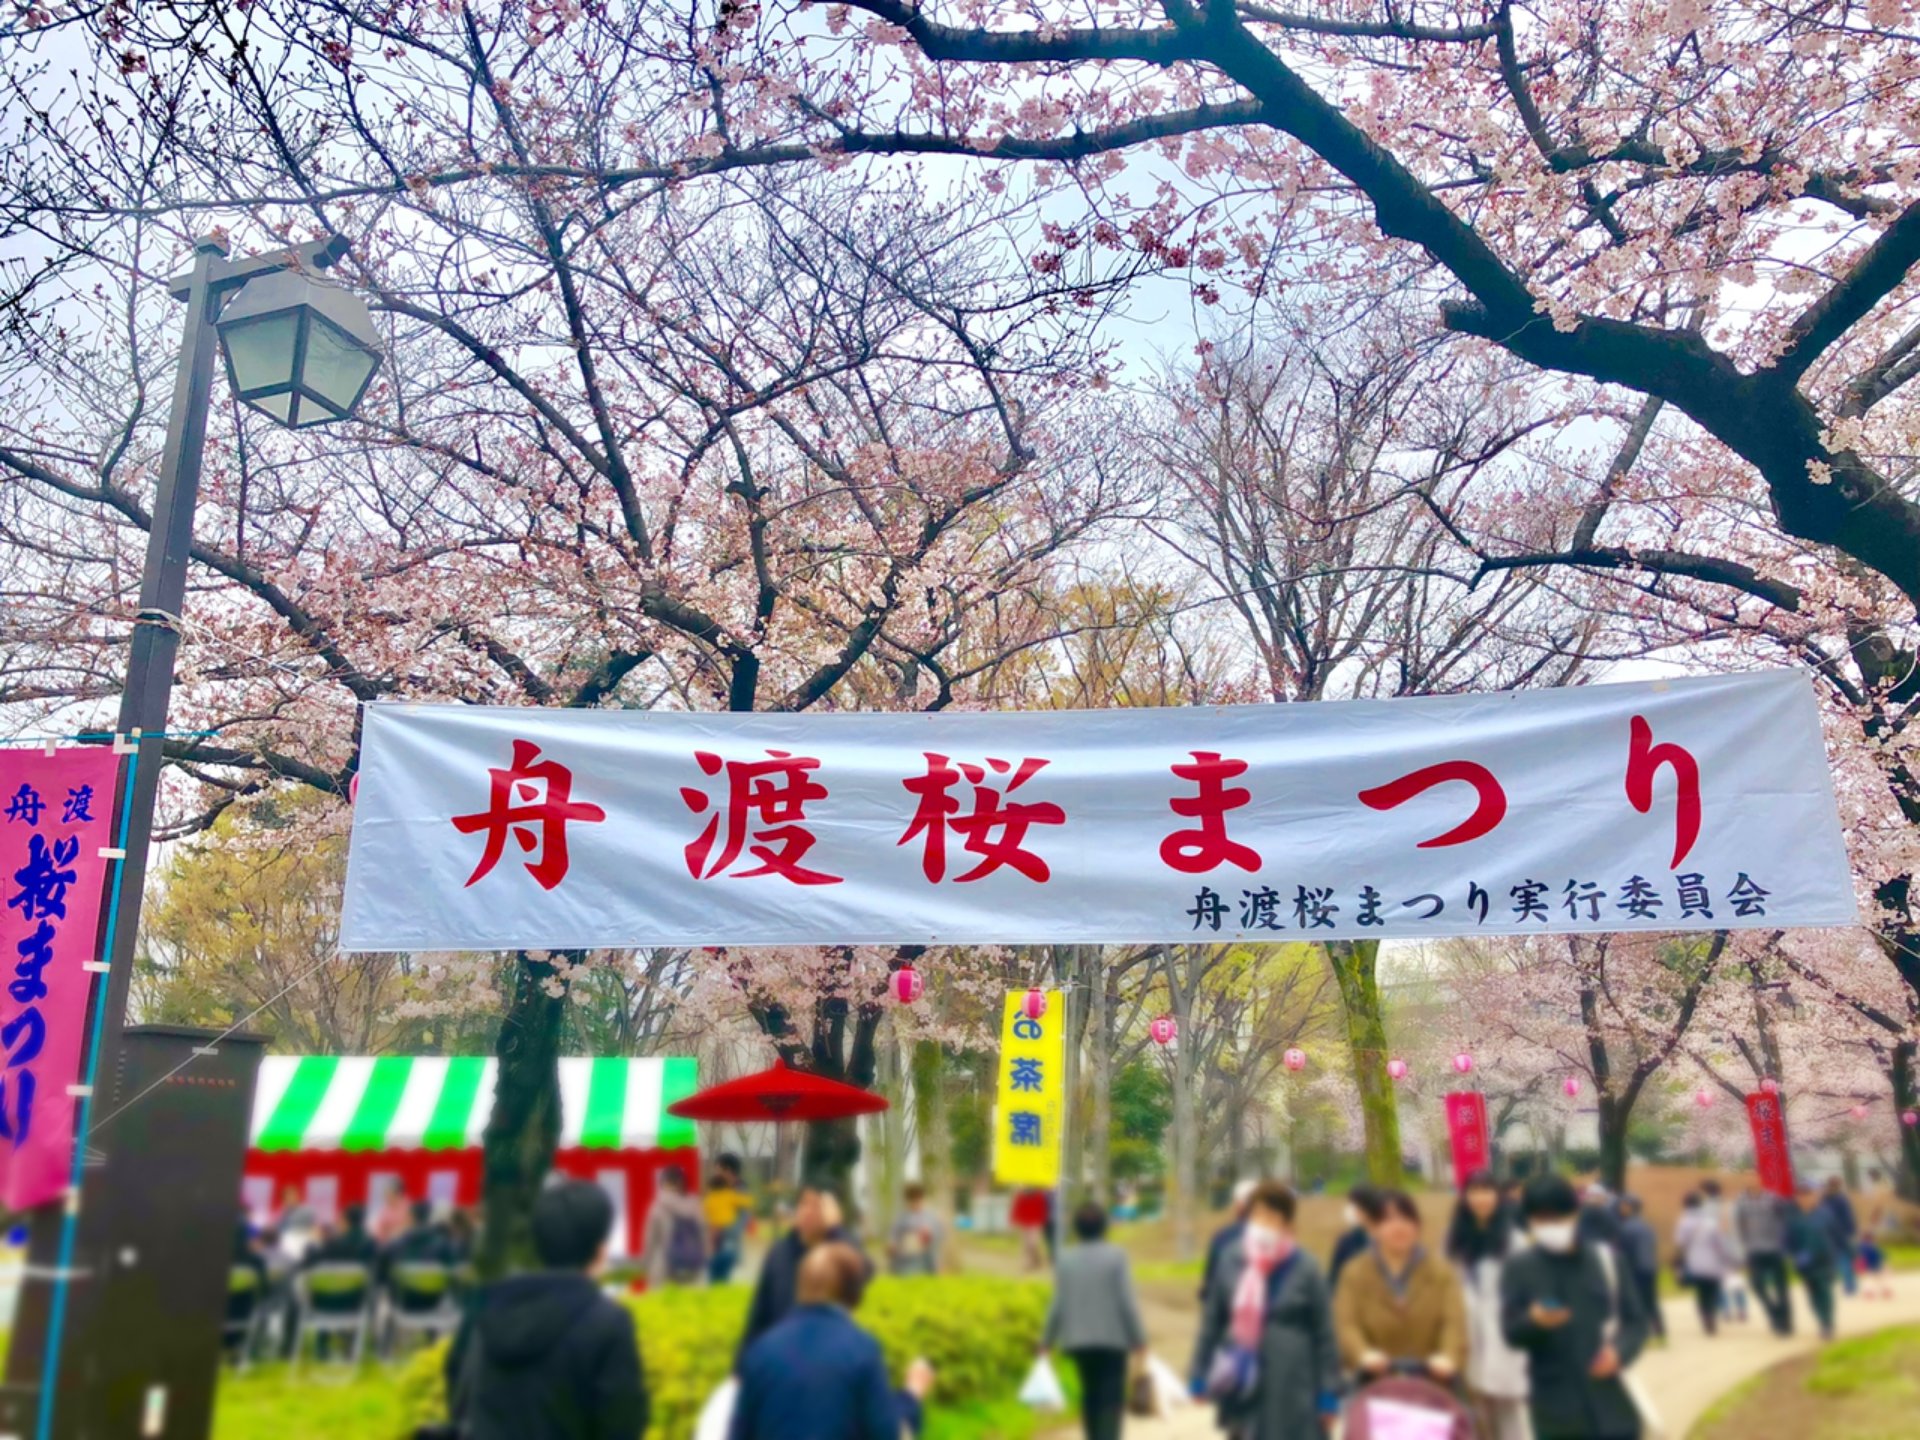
[[1859, 1112], [907, 985], [1769, 1086], [1571, 1086], [1463, 1064], [1295, 1059], [1035, 1005], [1163, 1030], [1703, 1097], [1910, 1117], [1397, 1069]]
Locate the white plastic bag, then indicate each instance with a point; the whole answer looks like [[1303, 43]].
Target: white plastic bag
[[1041, 1390], [716, 1416], [1170, 1391]]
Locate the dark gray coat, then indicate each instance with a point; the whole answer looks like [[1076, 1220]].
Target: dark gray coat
[[1299, 1366], [1093, 1306]]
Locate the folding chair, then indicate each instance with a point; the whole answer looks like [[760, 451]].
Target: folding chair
[[420, 1301], [332, 1299], [245, 1311]]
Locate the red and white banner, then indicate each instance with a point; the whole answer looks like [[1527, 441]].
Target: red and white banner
[[1772, 1159], [1669, 805], [56, 816], [1467, 1134]]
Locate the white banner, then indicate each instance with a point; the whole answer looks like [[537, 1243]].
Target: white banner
[[1668, 805]]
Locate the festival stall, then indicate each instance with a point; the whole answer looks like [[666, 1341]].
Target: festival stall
[[347, 1130]]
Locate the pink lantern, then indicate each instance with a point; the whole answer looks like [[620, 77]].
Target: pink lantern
[[353, 788], [1463, 1064], [1397, 1069], [1295, 1060], [907, 985], [1163, 1029], [1910, 1117], [1769, 1086], [1035, 1005], [1571, 1085], [1859, 1112], [1703, 1097]]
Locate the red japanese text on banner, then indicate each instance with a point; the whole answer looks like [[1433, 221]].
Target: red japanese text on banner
[[55, 818], [1698, 804], [1467, 1134], [1772, 1160]]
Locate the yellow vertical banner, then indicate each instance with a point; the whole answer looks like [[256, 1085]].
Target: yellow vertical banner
[[1031, 1115]]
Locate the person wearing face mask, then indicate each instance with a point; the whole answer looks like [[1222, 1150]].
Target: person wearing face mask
[[1361, 1213], [1267, 1354], [1567, 1304], [1400, 1304], [1480, 1241]]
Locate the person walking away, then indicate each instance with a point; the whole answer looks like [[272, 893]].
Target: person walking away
[[728, 1208], [1266, 1352], [1478, 1243], [1760, 1222], [816, 1375], [1809, 1241], [1705, 1256], [1031, 1213], [546, 1356], [674, 1244], [1844, 1226], [1227, 1233], [1400, 1303], [1564, 1302], [1599, 1216], [1095, 1321], [816, 1220], [917, 1238], [1358, 1218], [1733, 1290], [1640, 1253]]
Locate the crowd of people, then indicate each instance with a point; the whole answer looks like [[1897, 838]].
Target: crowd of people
[[1522, 1320]]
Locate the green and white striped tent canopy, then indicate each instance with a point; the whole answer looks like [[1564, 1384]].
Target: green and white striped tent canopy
[[402, 1102]]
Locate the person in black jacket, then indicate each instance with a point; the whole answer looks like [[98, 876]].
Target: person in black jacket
[[547, 1356], [816, 1220], [1361, 1214], [816, 1375], [1568, 1303], [1224, 1237]]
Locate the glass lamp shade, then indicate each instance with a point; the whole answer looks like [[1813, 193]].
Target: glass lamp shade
[[298, 349]]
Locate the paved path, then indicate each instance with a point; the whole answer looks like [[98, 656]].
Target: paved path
[[1684, 1377]]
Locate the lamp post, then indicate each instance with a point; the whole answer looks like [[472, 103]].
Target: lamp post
[[303, 352], [297, 349]]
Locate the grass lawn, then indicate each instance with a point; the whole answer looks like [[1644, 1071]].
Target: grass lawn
[[269, 1404], [1863, 1389]]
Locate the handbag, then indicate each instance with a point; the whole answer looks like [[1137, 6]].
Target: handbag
[[1233, 1374]]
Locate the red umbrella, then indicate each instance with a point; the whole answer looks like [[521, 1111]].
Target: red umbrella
[[779, 1094]]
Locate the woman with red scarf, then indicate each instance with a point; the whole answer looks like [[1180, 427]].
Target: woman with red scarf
[[1267, 1355]]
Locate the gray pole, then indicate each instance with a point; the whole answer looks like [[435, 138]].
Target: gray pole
[[90, 1254]]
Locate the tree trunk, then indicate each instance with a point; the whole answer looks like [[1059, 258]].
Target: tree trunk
[[1183, 1193], [1613, 1143], [1906, 1097], [1099, 1129], [524, 1128], [1070, 970], [1353, 963], [930, 1120]]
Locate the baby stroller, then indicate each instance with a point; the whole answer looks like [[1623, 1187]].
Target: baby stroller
[[1406, 1405]]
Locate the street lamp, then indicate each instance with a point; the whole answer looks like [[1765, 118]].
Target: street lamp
[[303, 352], [298, 349]]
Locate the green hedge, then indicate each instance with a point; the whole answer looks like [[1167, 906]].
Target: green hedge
[[979, 1331]]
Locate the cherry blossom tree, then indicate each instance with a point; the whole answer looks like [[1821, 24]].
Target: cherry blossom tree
[[717, 442]]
